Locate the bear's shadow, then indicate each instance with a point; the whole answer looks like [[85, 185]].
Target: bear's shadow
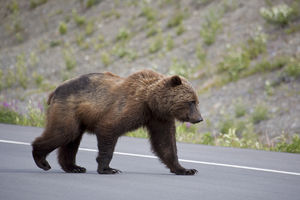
[[58, 171]]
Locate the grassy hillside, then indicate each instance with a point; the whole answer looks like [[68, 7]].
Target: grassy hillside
[[242, 57]]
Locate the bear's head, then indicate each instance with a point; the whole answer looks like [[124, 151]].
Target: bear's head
[[175, 97]]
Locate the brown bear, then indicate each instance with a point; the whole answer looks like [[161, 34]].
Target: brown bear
[[110, 106]]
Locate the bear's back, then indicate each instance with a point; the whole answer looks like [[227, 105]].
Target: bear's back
[[86, 84]]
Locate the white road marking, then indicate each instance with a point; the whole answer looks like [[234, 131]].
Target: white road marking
[[14, 142], [182, 160]]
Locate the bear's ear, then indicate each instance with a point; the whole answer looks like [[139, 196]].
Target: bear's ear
[[175, 80]]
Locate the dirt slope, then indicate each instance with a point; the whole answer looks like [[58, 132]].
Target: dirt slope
[[45, 42]]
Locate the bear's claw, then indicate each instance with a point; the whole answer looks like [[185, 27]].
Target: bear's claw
[[185, 172], [43, 164], [75, 169], [109, 171]]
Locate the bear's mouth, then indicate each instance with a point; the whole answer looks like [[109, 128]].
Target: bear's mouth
[[196, 121], [193, 121], [187, 118]]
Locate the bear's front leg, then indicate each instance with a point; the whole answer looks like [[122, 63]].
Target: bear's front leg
[[163, 141], [106, 146]]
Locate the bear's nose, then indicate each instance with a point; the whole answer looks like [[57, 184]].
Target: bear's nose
[[200, 119]]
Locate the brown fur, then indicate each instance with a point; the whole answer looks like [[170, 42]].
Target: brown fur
[[110, 106]]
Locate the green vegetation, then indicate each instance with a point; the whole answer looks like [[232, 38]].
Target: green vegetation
[[15, 27], [62, 28], [141, 133], [9, 116], [234, 63], [240, 109], [279, 15], [1, 78], [21, 71], [42, 47], [79, 20], [123, 35], [180, 30], [149, 13], [231, 139], [19, 37], [226, 124], [65, 75], [237, 62], [152, 31], [210, 28], [13, 7], [19, 76], [100, 42], [38, 78], [122, 51], [55, 43], [201, 54], [55, 12], [44, 85], [81, 42], [203, 1], [180, 67], [293, 68], [269, 89], [18, 28], [291, 147], [105, 58], [268, 66], [293, 29], [256, 45], [259, 114], [132, 55], [33, 59], [34, 116], [101, 38], [91, 3], [169, 43], [156, 44], [70, 60], [185, 132], [36, 3], [9, 79], [229, 5], [239, 126], [89, 28], [111, 13], [176, 19], [188, 133]]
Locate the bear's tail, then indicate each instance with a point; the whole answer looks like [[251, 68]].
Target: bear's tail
[[50, 98]]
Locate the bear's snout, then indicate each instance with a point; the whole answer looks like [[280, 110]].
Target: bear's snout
[[197, 120], [194, 115]]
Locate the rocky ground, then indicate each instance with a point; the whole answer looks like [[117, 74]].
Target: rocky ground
[[43, 43]]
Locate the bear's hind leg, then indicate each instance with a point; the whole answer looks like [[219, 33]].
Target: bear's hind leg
[[44, 145], [67, 156], [40, 159]]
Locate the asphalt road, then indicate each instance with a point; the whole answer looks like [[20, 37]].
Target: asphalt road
[[224, 173]]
